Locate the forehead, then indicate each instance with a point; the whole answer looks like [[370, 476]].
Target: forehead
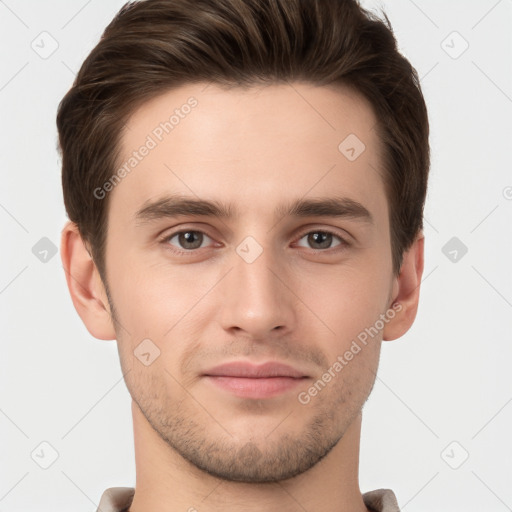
[[261, 143]]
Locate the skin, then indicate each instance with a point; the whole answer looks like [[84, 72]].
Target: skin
[[301, 301]]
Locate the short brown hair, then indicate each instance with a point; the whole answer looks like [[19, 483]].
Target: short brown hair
[[152, 46]]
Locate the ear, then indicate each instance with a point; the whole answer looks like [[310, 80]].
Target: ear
[[406, 291], [85, 286]]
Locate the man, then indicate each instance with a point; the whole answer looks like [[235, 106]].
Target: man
[[245, 183]]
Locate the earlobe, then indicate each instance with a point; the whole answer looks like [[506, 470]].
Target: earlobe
[[85, 285], [406, 291]]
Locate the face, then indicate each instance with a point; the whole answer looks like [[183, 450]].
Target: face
[[246, 234]]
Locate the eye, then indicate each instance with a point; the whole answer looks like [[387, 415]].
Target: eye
[[321, 240], [187, 239]]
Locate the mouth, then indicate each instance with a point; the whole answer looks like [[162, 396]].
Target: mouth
[[248, 380]]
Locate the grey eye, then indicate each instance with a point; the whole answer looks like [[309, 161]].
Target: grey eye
[[188, 240], [320, 240]]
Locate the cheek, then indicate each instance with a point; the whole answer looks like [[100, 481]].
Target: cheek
[[166, 306], [152, 299], [347, 299]]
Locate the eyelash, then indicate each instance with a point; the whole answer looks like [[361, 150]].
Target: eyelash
[[186, 252]]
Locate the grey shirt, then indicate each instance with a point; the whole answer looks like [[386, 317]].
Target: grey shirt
[[118, 499]]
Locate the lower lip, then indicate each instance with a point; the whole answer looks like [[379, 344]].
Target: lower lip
[[255, 388]]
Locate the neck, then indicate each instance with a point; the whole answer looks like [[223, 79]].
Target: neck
[[166, 481]]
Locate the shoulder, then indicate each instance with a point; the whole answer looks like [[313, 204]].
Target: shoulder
[[381, 500], [116, 499]]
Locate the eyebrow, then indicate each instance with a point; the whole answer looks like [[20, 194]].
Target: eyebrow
[[177, 205]]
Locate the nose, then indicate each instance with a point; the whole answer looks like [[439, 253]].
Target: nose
[[258, 300]]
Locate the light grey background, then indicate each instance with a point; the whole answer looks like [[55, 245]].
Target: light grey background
[[444, 390]]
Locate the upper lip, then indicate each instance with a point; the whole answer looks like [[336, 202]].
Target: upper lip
[[250, 370]]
